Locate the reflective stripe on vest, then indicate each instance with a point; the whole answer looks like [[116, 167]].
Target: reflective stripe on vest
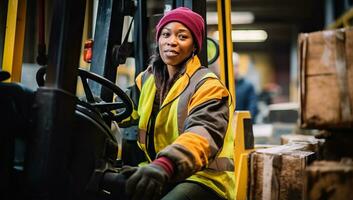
[[183, 99], [218, 164], [222, 164]]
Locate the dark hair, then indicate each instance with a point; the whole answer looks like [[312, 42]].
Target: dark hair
[[158, 67], [160, 71]]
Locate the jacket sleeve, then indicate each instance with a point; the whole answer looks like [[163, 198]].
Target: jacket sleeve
[[204, 129]]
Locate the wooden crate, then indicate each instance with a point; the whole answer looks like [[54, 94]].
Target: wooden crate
[[326, 79], [329, 180], [278, 172]]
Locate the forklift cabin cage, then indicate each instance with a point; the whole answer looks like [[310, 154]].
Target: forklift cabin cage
[[69, 150]]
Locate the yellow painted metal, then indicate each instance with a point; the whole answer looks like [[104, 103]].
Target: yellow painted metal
[[344, 21], [242, 174], [14, 39], [221, 42], [241, 156], [225, 40]]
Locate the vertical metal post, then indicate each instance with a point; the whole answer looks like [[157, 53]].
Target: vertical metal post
[[243, 146], [14, 39], [294, 82], [108, 32], [226, 46], [47, 170], [329, 12], [140, 44], [3, 11]]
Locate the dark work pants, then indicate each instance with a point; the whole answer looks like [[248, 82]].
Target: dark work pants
[[191, 191]]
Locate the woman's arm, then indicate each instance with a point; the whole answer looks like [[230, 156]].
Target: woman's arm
[[204, 130]]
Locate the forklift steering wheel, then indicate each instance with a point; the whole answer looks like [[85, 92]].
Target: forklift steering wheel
[[103, 107]]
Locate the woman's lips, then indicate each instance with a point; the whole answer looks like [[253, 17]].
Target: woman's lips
[[171, 53]]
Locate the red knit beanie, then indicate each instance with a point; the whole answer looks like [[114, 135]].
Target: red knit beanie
[[192, 20]]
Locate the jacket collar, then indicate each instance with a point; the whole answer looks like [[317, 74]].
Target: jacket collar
[[180, 85]]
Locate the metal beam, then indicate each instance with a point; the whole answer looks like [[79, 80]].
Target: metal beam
[[140, 43], [14, 39], [226, 46], [274, 10], [3, 11], [243, 146], [108, 32], [49, 146]]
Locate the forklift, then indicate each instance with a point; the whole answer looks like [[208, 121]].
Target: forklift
[[54, 145]]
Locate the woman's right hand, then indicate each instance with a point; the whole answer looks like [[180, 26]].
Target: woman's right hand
[[127, 171], [146, 182]]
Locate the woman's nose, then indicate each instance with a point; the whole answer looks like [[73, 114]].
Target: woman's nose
[[172, 40]]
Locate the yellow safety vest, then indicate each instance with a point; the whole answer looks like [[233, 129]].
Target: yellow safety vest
[[218, 174]]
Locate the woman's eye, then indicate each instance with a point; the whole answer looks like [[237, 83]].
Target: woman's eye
[[165, 34], [183, 37]]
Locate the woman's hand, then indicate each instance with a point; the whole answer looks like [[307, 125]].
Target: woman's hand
[[127, 171], [147, 182]]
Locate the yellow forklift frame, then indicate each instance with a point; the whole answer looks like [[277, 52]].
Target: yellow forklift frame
[[14, 39]]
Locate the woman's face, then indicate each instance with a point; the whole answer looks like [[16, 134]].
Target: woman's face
[[175, 43]]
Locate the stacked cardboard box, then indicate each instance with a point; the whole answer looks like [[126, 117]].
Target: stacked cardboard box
[[329, 180], [326, 79], [312, 144], [278, 172]]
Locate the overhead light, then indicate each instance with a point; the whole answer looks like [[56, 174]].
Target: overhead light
[[246, 35], [236, 17], [249, 35]]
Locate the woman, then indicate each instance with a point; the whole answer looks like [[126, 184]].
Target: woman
[[184, 119]]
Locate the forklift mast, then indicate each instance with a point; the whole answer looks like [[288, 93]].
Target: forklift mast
[[47, 173], [108, 33]]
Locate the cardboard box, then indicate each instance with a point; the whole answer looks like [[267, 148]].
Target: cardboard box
[[278, 172], [312, 144], [326, 78], [329, 180]]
